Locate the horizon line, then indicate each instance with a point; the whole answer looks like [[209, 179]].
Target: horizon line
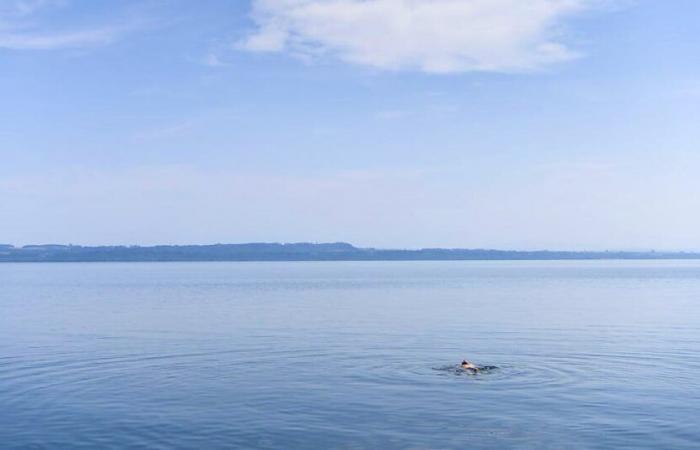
[[353, 246]]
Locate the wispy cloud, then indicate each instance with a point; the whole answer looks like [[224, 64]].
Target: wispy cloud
[[439, 36], [52, 41], [28, 25], [165, 132], [687, 90], [213, 60], [392, 114]]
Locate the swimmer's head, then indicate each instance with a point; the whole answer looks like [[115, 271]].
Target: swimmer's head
[[466, 365]]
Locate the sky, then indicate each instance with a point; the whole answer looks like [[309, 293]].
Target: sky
[[513, 124]]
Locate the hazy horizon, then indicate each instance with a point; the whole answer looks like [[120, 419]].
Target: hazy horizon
[[502, 124], [359, 246]]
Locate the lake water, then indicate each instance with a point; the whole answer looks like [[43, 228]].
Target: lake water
[[350, 355]]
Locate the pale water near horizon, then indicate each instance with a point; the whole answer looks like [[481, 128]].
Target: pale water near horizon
[[350, 355]]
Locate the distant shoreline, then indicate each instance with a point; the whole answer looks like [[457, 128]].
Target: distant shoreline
[[338, 251]]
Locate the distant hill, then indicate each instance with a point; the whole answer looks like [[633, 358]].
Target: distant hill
[[337, 251]]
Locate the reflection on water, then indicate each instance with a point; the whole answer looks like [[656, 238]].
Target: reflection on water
[[350, 355]]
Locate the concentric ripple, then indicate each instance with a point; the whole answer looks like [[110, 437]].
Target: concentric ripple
[[349, 356]]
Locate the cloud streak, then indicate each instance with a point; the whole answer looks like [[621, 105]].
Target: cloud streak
[[438, 36], [24, 25], [53, 41]]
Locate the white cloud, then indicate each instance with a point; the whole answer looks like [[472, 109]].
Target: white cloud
[[439, 36]]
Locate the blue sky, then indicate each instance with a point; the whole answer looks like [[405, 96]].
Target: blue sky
[[568, 124]]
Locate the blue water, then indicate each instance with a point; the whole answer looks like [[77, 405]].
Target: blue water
[[350, 355]]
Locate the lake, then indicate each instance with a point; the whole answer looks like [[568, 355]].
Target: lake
[[350, 355]]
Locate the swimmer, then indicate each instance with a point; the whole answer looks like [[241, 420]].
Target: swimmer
[[473, 368], [466, 365]]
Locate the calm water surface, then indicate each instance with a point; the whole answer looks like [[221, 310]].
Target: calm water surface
[[350, 355]]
